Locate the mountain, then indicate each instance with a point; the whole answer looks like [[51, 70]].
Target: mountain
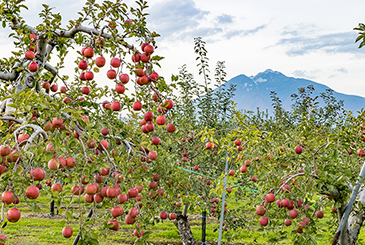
[[254, 91]]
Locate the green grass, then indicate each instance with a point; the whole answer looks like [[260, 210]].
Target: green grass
[[36, 228]]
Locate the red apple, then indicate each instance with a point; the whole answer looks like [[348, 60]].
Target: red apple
[[163, 215], [156, 140], [319, 214], [120, 88], [270, 197], [89, 75], [100, 61], [160, 120], [32, 192], [7, 197], [85, 90], [56, 187], [122, 198], [152, 155], [116, 106], [293, 213], [260, 210], [83, 64], [287, 222], [124, 78], [264, 221], [170, 128], [117, 211], [88, 52], [13, 215], [33, 67], [148, 49], [111, 74], [137, 106], [29, 55], [115, 227], [115, 62], [298, 149]]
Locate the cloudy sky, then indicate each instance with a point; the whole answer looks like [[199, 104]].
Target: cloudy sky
[[308, 39]]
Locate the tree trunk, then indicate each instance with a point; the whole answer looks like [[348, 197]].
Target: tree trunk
[[352, 229], [183, 227]]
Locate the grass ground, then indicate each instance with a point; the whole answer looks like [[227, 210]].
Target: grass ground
[[42, 228]]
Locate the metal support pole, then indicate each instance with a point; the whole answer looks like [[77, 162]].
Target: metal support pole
[[204, 227], [78, 234], [223, 201], [348, 209], [52, 208]]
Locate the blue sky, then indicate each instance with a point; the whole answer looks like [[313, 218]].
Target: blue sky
[[308, 39]]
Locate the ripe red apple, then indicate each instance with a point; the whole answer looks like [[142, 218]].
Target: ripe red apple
[[91, 189], [260, 210], [115, 62], [298, 149], [132, 192], [100, 61], [85, 90], [148, 116], [136, 57], [209, 145], [293, 213], [154, 76], [172, 216], [7, 197], [112, 192], [305, 220], [111, 74], [32, 192], [169, 104], [144, 58], [170, 128], [129, 220], [54, 88], [133, 212], [37, 174], [160, 120], [63, 89], [120, 88], [124, 78], [33, 67], [152, 155], [77, 190], [231, 172], [319, 214], [237, 142], [104, 131], [254, 178], [156, 140], [67, 232], [139, 72], [88, 52], [56, 187], [53, 164], [70, 162], [148, 49], [243, 169], [122, 198], [89, 75], [117, 211], [29, 55], [287, 222], [286, 188], [83, 64], [13, 215], [98, 198], [163, 215], [239, 148], [115, 227], [116, 106], [137, 106], [4, 150], [360, 152], [46, 85], [264, 221], [3, 239], [285, 203], [270, 197]]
